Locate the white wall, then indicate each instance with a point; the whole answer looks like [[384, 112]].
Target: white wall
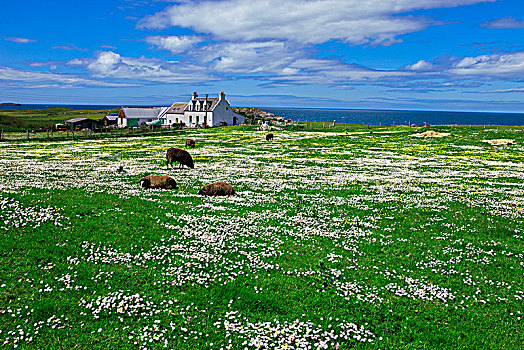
[[224, 113], [184, 118], [172, 118], [221, 113], [123, 122]]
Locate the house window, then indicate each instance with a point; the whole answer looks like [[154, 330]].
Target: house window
[[227, 108], [177, 120], [190, 118], [197, 118]]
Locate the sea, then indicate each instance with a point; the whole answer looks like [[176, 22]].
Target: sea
[[357, 116]]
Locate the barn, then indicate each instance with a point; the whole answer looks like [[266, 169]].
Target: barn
[[82, 123], [131, 117], [109, 120]]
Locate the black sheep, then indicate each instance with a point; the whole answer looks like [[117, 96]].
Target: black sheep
[[269, 137], [158, 181], [217, 189], [179, 155]]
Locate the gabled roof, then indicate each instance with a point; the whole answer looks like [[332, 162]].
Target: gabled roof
[[210, 100], [143, 112], [110, 117], [177, 108], [78, 120]]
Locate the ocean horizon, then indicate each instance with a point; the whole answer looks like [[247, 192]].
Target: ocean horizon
[[353, 116]]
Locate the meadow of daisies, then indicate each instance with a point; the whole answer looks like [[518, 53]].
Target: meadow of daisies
[[369, 239]]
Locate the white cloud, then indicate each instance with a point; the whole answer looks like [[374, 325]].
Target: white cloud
[[505, 90], [249, 58], [421, 66], [30, 77], [175, 44], [503, 23], [506, 65], [302, 21], [20, 40], [68, 47], [109, 64]]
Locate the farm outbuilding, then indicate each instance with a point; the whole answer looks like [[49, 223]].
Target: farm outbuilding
[[109, 120], [82, 123], [138, 116]]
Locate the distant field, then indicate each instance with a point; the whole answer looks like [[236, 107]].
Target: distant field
[[11, 119], [354, 238]]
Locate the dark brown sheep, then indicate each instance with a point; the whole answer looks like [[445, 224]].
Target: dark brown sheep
[[158, 181], [181, 156], [269, 136], [217, 189], [190, 143]]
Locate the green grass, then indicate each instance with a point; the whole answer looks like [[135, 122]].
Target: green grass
[[20, 119], [417, 243]]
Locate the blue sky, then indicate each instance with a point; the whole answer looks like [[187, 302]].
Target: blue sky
[[465, 55]]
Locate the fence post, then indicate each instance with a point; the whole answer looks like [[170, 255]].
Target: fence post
[[1, 134], [27, 133], [73, 134]]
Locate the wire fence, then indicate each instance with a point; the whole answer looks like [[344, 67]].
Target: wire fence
[[50, 135]]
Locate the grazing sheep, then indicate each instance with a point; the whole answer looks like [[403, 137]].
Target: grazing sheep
[[269, 136], [217, 189], [158, 181], [179, 155], [190, 143]]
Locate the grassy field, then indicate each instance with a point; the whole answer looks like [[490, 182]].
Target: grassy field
[[339, 239], [24, 119]]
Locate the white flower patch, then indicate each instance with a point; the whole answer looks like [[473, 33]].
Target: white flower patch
[[295, 334], [119, 303], [419, 289], [13, 215]]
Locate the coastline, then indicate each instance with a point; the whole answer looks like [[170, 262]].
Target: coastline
[[349, 116]]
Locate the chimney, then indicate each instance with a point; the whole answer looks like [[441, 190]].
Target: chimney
[[222, 96], [194, 95]]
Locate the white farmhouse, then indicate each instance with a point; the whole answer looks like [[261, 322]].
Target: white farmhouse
[[200, 111], [138, 116]]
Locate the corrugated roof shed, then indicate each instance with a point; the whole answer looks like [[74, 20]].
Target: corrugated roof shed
[[143, 112], [77, 120]]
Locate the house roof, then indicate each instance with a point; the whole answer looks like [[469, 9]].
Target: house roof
[[143, 112], [177, 108], [212, 100], [110, 117], [79, 120]]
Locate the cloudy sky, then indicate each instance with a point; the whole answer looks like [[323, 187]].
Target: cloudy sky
[[387, 54]]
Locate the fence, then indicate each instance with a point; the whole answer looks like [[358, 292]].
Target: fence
[[49, 135]]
